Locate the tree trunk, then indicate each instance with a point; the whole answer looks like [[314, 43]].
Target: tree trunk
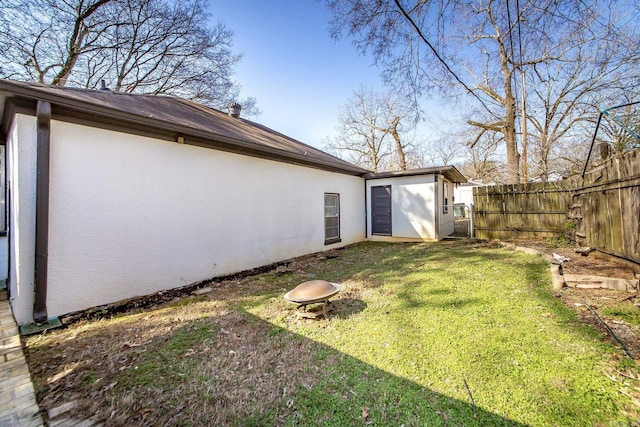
[[509, 125], [545, 148], [76, 40], [402, 159]]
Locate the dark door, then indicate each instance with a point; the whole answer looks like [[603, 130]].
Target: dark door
[[381, 210]]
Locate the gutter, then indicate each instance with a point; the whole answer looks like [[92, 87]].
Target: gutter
[[43, 117]]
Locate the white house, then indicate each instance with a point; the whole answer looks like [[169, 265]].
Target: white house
[[463, 193], [112, 195]]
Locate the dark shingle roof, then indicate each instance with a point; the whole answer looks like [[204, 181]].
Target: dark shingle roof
[[179, 117]]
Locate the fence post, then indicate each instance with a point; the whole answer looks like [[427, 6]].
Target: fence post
[[471, 220]]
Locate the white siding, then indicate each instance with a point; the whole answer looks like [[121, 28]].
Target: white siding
[[464, 194], [131, 215], [413, 208], [21, 149]]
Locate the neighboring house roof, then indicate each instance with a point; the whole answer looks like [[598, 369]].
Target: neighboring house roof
[[169, 118], [472, 183], [449, 172]]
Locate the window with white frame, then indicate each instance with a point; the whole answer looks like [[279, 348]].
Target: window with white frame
[[331, 218], [445, 197]]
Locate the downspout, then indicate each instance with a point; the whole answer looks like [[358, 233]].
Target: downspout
[[43, 117]]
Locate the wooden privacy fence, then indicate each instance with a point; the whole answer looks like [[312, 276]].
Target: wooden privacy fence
[[521, 211], [602, 210], [606, 208]]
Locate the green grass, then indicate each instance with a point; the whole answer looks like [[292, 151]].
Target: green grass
[[624, 311], [436, 316], [412, 325], [164, 366]]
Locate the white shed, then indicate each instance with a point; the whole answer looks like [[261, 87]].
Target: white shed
[[411, 205]]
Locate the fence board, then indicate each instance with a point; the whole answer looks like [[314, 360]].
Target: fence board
[[520, 211], [605, 207], [610, 197]]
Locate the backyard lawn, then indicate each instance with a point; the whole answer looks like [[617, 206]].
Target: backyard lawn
[[449, 333]]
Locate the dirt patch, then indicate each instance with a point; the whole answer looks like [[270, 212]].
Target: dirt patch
[[592, 306], [595, 263], [611, 312]]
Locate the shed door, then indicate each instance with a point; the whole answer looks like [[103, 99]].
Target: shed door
[[381, 210]]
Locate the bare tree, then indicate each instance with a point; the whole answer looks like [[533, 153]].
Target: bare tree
[[446, 150], [482, 162], [620, 129], [367, 125], [565, 95], [146, 46], [481, 47]]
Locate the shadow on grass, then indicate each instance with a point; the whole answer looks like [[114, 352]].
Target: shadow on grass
[[233, 369], [344, 308]]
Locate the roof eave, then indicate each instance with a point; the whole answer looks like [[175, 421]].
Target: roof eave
[[450, 172]]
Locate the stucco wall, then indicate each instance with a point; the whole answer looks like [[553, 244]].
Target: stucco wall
[[131, 215], [21, 148], [413, 215]]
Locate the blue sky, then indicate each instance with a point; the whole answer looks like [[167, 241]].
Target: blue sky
[[299, 75]]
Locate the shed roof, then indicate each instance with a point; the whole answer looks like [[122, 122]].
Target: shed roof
[[171, 118], [450, 172]]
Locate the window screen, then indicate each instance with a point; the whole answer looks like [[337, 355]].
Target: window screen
[[331, 218]]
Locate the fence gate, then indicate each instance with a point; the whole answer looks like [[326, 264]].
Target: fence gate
[[463, 220]]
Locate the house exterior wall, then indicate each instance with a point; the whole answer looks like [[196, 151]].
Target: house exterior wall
[[464, 194], [4, 241], [131, 215], [4, 257], [21, 149], [413, 208]]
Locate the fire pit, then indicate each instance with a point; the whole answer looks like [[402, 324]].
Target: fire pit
[[313, 292]]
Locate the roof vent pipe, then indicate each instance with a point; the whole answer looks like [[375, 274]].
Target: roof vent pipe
[[234, 109], [103, 85]]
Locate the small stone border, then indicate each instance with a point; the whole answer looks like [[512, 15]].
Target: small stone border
[[560, 280]]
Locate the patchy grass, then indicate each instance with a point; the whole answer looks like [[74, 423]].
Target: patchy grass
[[416, 333], [624, 311]]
